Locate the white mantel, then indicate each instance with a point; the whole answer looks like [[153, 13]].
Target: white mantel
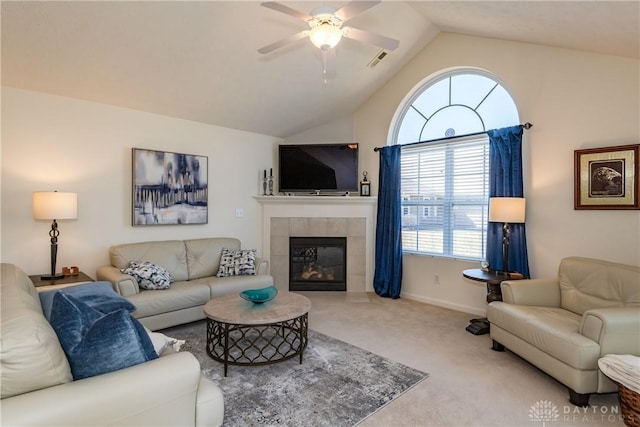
[[354, 209], [316, 200]]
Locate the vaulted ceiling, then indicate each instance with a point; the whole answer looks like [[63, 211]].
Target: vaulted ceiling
[[198, 60]]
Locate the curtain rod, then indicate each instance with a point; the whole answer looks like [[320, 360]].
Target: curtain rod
[[527, 126]]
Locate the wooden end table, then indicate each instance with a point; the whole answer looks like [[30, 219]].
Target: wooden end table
[[240, 332], [66, 281], [493, 279]]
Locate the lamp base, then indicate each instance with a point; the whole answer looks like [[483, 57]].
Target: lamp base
[[50, 277]]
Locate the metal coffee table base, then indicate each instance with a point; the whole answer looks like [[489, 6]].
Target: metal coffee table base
[[253, 345]]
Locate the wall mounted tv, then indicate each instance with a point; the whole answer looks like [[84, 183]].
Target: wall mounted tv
[[314, 168]]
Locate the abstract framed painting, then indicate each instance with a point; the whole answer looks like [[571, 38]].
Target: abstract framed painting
[[169, 188], [607, 178]]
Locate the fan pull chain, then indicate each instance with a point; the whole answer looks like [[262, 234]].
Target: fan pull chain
[[324, 66]]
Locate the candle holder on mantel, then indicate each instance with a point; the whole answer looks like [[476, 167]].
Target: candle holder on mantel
[[271, 182], [264, 183], [365, 185]]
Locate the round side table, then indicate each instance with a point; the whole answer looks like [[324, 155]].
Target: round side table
[[493, 279]]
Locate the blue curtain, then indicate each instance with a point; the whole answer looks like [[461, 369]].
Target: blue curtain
[[387, 279], [505, 180]]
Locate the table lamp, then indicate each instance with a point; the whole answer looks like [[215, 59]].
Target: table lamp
[[54, 205], [506, 210]]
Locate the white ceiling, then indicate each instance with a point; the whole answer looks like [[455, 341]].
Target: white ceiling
[[198, 60]]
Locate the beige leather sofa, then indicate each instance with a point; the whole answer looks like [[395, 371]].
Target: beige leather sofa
[[193, 264], [38, 390], [565, 324]]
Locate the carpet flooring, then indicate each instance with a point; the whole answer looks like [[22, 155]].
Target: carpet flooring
[[469, 385], [336, 385]]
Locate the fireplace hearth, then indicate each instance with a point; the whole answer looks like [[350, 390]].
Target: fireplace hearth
[[317, 263]]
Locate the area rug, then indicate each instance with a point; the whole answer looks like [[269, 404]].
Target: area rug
[[336, 385]]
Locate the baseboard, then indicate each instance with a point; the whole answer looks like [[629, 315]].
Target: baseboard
[[446, 304]]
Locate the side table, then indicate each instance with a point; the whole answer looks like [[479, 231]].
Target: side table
[[66, 281], [493, 279]]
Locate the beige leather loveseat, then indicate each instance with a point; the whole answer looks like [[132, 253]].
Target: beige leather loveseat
[[38, 390], [193, 264], [564, 325]]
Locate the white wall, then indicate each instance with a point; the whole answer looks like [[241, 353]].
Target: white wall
[[575, 100], [56, 143], [340, 130]]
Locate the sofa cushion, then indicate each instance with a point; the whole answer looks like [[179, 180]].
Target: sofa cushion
[[98, 295], [170, 254], [586, 284], [31, 357], [237, 263], [148, 275], [97, 343], [180, 295], [203, 255], [552, 330], [235, 284]]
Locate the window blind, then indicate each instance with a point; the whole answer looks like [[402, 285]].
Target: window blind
[[445, 194]]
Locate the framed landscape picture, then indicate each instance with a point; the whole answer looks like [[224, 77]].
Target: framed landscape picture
[[607, 178], [169, 188]]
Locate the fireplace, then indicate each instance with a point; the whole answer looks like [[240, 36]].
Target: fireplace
[[317, 263]]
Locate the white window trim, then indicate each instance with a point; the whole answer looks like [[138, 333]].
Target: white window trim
[[416, 91]]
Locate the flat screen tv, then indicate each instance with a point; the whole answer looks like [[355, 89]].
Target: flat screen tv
[[314, 168]]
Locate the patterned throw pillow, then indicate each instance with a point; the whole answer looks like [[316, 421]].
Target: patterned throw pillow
[[161, 342], [237, 263], [149, 275]]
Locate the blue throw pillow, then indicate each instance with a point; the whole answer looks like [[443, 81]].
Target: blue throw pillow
[[98, 295], [97, 343]]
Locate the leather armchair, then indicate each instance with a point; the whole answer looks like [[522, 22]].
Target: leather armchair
[[564, 325]]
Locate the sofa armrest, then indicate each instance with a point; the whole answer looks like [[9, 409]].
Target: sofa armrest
[[534, 292], [124, 284], [161, 392], [262, 266], [617, 330], [210, 404]]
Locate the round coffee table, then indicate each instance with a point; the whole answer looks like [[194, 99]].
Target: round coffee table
[[240, 332]]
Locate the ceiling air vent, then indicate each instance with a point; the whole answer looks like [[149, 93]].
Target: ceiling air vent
[[376, 59]]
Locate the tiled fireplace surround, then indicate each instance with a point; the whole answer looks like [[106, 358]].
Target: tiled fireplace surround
[[321, 216]]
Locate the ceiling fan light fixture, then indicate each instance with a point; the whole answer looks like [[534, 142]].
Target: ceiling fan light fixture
[[325, 36]]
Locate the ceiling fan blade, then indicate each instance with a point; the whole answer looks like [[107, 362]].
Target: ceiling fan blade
[[285, 9], [353, 8], [281, 43], [371, 38]]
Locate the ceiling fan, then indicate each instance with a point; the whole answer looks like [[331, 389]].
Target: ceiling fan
[[326, 26]]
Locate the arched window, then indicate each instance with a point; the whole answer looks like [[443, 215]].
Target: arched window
[[445, 160]]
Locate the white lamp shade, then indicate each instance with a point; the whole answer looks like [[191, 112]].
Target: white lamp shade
[[325, 36], [507, 209], [55, 205]]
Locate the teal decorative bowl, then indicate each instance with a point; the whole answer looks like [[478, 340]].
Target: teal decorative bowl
[[259, 296]]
